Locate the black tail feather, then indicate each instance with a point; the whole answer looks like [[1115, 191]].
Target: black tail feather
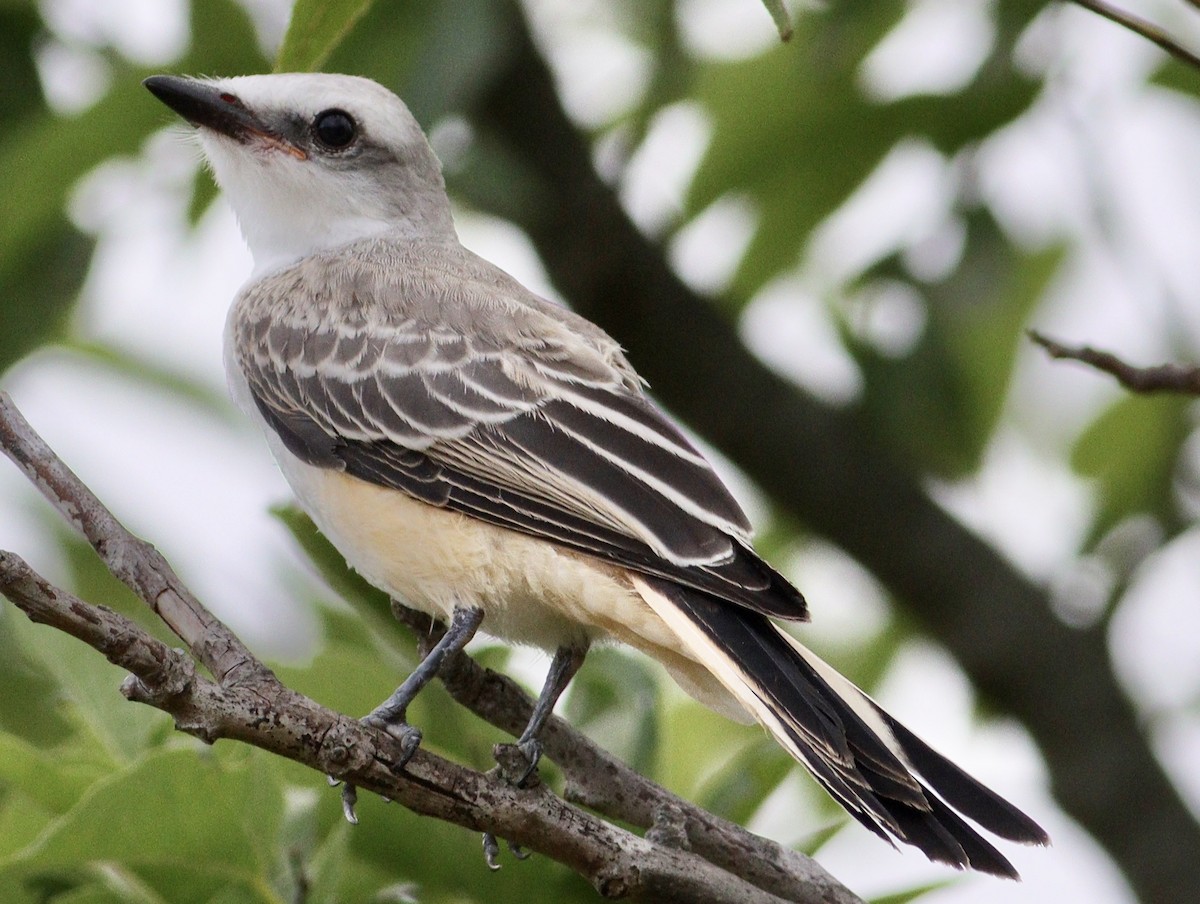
[[964, 793], [866, 763]]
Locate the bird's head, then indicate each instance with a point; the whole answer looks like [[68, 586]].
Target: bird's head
[[312, 161]]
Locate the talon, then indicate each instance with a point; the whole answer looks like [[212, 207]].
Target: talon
[[518, 762], [349, 800], [532, 751], [409, 740], [491, 850], [409, 736], [519, 852], [333, 781]]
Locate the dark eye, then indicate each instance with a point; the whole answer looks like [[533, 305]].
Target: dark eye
[[334, 129]]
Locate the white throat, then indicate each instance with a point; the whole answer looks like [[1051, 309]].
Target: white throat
[[288, 211], [278, 242]]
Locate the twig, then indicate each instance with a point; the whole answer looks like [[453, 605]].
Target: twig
[[1176, 378], [268, 715], [134, 562], [1144, 28]]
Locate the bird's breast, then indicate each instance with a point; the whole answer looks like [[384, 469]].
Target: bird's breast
[[434, 559]]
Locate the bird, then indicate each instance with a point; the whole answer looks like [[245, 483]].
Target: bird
[[488, 457]]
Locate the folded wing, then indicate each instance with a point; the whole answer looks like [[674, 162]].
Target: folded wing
[[548, 435]]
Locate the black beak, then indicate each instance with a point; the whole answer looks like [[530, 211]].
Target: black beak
[[203, 105]]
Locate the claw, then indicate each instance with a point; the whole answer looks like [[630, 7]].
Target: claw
[[410, 740], [349, 799], [491, 850], [518, 762], [409, 736], [532, 751]]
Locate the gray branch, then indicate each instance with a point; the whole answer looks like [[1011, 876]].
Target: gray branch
[[1180, 379], [247, 703], [1143, 28]]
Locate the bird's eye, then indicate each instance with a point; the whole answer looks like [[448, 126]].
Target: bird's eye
[[334, 129]]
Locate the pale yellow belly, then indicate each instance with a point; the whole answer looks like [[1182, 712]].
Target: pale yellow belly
[[531, 591]]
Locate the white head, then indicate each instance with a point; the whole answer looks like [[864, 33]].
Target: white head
[[313, 161]]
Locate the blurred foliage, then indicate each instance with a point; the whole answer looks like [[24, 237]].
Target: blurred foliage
[[317, 27], [100, 801], [940, 401]]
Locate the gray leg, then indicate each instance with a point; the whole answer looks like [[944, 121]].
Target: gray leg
[[389, 716], [563, 667]]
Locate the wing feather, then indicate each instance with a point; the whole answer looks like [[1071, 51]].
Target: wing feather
[[544, 430]]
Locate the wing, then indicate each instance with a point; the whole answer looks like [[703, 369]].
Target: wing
[[543, 430]]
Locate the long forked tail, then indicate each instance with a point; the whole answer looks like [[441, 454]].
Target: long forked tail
[[885, 776]]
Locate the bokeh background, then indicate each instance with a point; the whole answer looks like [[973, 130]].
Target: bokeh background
[[824, 256]]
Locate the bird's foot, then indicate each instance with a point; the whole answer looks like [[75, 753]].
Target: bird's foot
[[409, 736], [491, 851], [518, 762], [410, 739]]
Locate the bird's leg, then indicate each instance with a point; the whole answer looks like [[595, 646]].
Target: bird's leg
[[563, 667], [389, 715]]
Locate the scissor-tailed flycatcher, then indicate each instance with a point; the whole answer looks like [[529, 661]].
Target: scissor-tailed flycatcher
[[490, 458]]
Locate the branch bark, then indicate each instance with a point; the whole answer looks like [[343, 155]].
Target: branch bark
[[1143, 28], [597, 780], [824, 465], [247, 703], [1177, 378]]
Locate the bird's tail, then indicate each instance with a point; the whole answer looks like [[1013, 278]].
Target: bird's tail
[[885, 776]]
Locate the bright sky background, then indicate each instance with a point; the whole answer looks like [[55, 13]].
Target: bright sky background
[[197, 480]]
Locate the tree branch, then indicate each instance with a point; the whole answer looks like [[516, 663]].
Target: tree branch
[[248, 703], [134, 562], [599, 781], [1143, 28], [1176, 378], [824, 465]]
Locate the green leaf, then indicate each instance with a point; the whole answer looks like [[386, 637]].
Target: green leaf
[[696, 743], [794, 132], [614, 700], [812, 844], [42, 257], [90, 682], [39, 276], [1131, 451], [445, 863], [29, 704], [740, 788], [22, 820], [1178, 76], [52, 780], [215, 826], [315, 29]]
